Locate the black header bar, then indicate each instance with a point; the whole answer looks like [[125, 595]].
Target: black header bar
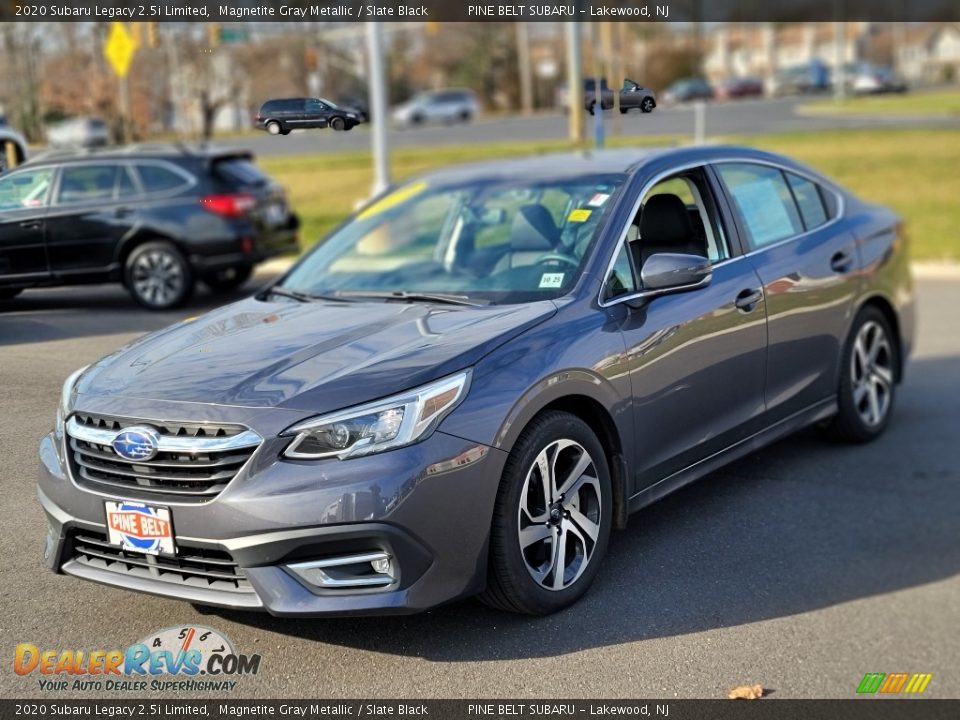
[[346, 11]]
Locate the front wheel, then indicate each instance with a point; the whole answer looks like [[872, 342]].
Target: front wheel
[[157, 276], [552, 517], [338, 124], [647, 105], [867, 379]]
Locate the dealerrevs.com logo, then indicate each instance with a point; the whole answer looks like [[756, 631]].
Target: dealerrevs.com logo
[[187, 658]]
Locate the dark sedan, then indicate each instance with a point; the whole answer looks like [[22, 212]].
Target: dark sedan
[[470, 383]]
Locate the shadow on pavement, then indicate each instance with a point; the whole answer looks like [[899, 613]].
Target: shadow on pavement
[[801, 525], [63, 313]]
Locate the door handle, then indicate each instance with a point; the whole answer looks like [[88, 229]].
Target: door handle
[[841, 261], [747, 299], [31, 224]]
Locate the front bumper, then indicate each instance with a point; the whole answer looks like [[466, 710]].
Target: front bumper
[[428, 506]]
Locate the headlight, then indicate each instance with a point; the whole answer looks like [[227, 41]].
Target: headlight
[[391, 423], [68, 396]]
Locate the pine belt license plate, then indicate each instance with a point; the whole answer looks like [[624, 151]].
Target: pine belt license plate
[[140, 528]]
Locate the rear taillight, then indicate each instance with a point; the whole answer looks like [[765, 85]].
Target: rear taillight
[[229, 205]]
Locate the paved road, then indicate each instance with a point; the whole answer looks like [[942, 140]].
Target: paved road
[[745, 117], [801, 567]]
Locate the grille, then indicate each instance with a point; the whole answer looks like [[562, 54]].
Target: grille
[[194, 462], [193, 566]]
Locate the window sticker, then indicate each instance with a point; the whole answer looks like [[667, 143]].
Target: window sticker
[[763, 210], [551, 280], [579, 215], [598, 199], [393, 199]]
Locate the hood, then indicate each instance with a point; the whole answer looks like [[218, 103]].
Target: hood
[[317, 356]]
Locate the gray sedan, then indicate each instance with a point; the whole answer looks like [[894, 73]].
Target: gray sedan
[[475, 379]]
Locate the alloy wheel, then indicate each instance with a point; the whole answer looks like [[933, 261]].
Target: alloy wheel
[[871, 372], [559, 514], [158, 277], [647, 105]]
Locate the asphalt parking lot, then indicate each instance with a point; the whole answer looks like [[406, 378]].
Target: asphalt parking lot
[[801, 568]]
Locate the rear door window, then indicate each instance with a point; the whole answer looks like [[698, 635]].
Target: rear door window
[[87, 183], [763, 201], [25, 189]]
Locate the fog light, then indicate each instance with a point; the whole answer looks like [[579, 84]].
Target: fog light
[[373, 569]]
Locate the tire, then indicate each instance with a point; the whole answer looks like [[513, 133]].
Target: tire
[[524, 580], [157, 276], [647, 105], [338, 124], [466, 116], [591, 107], [417, 119], [227, 279], [9, 293], [867, 379], [274, 128], [623, 110]]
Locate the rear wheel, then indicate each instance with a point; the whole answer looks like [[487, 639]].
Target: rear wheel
[[274, 128], [623, 110], [227, 279], [591, 107], [157, 276], [867, 379], [552, 517]]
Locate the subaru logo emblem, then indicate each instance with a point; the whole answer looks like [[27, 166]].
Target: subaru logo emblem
[[136, 443]]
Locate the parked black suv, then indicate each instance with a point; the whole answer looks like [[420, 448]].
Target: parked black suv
[[279, 117], [156, 218]]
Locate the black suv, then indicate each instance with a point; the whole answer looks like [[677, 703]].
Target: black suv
[[155, 218], [279, 117]]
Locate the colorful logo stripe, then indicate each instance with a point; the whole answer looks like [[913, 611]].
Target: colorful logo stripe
[[893, 683]]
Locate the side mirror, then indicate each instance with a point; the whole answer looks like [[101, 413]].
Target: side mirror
[[664, 273]]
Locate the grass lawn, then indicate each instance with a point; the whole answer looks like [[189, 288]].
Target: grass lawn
[[940, 103], [912, 171]]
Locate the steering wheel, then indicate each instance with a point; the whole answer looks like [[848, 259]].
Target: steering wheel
[[560, 258]]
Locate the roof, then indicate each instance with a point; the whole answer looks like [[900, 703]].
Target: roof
[[621, 160], [144, 150]]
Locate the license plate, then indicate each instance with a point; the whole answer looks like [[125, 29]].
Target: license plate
[[140, 528], [276, 214]]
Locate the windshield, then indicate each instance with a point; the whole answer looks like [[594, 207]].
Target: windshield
[[499, 241]]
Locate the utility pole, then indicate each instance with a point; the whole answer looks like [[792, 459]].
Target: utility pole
[[377, 90], [613, 71], [839, 72], [598, 67], [526, 71], [575, 99]]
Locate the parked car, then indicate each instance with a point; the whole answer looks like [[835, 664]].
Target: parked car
[[81, 132], [471, 382], [688, 89], [805, 79], [740, 87], [633, 96], [156, 218], [280, 116], [441, 106], [18, 143], [870, 79]]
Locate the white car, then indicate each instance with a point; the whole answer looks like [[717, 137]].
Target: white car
[[441, 106], [84, 132]]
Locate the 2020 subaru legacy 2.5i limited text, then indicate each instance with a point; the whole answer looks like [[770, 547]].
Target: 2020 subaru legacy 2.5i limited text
[[469, 383], [157, 218]]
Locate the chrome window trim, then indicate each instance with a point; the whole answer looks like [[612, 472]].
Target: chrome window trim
[[648, 186], [167, 443]]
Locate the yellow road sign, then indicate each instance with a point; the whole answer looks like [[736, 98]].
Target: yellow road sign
[[119, 49]]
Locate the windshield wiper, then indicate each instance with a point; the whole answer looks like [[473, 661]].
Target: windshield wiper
[[302, 296], [405, 295]]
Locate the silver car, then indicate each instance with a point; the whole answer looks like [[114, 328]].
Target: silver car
[[441, 106]]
